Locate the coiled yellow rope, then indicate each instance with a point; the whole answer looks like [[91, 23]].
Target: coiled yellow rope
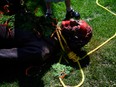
[[70, 54]]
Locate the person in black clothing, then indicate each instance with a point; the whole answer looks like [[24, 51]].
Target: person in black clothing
[[24, 44]]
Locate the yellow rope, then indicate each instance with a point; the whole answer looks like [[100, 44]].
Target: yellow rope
[[73, 56], [63, 38], [75, 59], [60, 40], [105, 8], [99, 46], [83, 76], [81, 82]]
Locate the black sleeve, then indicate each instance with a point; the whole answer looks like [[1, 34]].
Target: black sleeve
[[33, 51]]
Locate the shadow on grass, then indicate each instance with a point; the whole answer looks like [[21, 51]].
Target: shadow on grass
[[15, 71]]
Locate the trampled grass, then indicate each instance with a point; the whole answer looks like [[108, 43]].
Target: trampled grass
[[101, 65]]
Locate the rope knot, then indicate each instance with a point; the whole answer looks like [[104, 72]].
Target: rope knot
[[73, 56]]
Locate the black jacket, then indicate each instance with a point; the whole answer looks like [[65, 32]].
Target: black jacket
[[25, 45]]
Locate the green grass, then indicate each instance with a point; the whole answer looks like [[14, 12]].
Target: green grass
[[102, 65]]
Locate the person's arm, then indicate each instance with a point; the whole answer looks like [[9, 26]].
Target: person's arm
[[8, 53]]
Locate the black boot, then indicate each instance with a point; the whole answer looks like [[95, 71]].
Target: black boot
[[72, 14]]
